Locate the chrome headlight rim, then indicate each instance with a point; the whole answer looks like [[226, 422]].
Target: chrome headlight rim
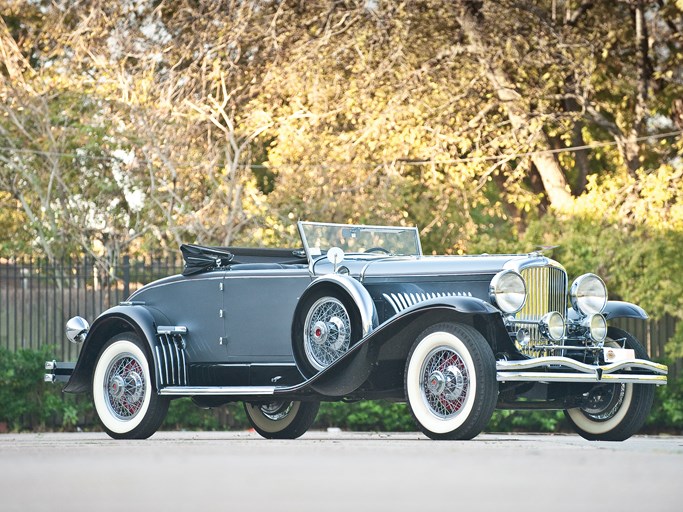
[[552, 326], [508, 291], [578, 295]]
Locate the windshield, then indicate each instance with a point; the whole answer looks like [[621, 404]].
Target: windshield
[[318, 238]]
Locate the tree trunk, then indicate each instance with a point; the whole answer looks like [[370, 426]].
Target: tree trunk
[[552, 175]]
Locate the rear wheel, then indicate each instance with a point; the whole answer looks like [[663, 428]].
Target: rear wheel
[[614, 412], [450, 382], [126, 404], [281, 420]]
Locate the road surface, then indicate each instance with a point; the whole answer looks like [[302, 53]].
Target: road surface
[[336, 471]]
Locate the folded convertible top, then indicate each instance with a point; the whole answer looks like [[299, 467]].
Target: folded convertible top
[[201, 259]]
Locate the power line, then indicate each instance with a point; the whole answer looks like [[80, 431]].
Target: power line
[[417, 162]]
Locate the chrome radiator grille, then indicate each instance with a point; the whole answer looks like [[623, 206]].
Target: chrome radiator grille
[[546, 291]]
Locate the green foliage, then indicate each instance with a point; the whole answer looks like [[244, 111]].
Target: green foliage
[[183, 414], [667, 412], [28, 403], [527, 421], [365, 416]]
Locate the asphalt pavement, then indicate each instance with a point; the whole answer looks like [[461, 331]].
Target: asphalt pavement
[[337, 471]]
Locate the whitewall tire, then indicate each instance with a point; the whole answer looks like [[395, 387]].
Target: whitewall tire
[[450, 382], [126, 403], [614, 412]]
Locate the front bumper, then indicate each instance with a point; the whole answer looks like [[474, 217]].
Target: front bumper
[[564, 369]]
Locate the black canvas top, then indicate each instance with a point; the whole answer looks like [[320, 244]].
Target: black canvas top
[[203, 259]]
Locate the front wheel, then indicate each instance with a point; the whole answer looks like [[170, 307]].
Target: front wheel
[[126, 404], [450, 382], [614, 412], [281, 420]]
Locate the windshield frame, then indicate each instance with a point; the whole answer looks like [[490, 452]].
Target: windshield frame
[[313, 255]]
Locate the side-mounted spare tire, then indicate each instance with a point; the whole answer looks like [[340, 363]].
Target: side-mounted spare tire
[[326, 324]]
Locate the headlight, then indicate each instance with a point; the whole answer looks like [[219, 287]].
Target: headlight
[[588, 294], [552, 326], [597, 327], [508, 291]]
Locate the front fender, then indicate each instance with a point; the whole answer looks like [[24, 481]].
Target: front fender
[[393, 339], [619, 309], [615, 309], [137, 318]]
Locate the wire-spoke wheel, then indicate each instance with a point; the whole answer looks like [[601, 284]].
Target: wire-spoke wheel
[[281, 419], [122, 390], [327, 332], [614, 412], [450, 382], [328, 325]]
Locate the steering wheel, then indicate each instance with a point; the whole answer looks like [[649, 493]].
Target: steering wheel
[[378, 249]]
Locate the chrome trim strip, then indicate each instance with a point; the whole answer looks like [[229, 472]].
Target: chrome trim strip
[[169, 341], [618, 378], [391, 302], [401, 301], [218, 390], [177, 356], [163, 351], [161, 375], [182, 354]]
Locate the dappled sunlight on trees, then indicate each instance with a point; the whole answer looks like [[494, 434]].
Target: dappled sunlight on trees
[[130, 127]]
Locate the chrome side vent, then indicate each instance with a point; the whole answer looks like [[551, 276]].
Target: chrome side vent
[[171, 359], [546, 292], [401, 301]]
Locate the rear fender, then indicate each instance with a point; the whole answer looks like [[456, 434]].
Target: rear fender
[[139, 319]]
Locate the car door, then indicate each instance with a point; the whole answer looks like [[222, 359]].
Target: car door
[[259, 306]]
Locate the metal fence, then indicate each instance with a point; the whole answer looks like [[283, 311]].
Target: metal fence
[[37, 297]]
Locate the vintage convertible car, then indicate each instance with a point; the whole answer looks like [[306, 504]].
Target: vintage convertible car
[[360, 313]]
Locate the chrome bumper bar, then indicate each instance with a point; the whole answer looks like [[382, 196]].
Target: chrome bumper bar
[[564, 369]]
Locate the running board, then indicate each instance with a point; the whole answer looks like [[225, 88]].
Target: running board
[[219, 390], [564, 369]]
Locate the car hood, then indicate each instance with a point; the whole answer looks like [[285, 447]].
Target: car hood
[[447, 265]]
